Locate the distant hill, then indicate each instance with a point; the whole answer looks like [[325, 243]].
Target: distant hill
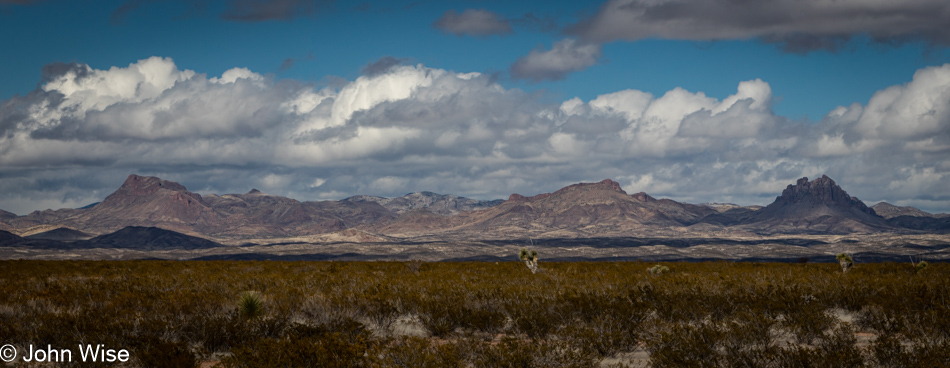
[[890, 211], [8, 239], [131, 237], [440, 204], [725, 207], [148, 238], [913, 218], [61, 234]]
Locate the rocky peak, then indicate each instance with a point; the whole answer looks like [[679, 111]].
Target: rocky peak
[[822, 190], [4, 215], [137, 188], [643, 197], [145, 185], [517, 197], [610, 184], [605, 184]]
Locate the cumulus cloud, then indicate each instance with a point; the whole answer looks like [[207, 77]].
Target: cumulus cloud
[[795, 25], [153, 100], [472, 22], [410, 127], [914, 117], [565, 57]]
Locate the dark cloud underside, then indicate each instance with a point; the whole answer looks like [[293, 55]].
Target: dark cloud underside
[[794, 25], [472, 22], [565, 57], [381, 66], [264, 10]]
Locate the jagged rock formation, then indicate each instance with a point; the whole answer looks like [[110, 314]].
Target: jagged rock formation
[[819, 205]]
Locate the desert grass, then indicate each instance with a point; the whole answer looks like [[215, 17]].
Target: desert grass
[[483, 314]]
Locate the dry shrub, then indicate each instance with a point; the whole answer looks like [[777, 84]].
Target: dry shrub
[[413, 352], [512, 352], [708, 313]]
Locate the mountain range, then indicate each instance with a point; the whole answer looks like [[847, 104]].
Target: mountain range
[[147, 207]]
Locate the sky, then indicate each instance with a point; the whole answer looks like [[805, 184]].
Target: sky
[[699, 101]]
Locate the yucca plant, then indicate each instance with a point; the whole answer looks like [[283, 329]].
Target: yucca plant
[[658, 270], [845, 261], [530, 259], [251, 305]]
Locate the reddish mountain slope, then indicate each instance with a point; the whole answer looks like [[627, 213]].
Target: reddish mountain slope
[[586, 209], [150, 201], [599, 209]]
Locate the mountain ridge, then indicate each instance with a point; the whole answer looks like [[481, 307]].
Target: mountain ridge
[[596, 209], [440, 204]]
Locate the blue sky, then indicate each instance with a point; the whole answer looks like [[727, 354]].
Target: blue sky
[[341, 38], [812, 62]]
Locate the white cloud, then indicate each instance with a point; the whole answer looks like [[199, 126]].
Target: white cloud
[[151, 100], [415, 128], [631, 103], [88, 89], [916, 110], [758, 91], [318, 182], [275, 181], [389, 184], [233, 74], [368, 91], [915, 181]]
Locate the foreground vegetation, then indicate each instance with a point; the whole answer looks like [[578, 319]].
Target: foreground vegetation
[[413, 314]]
